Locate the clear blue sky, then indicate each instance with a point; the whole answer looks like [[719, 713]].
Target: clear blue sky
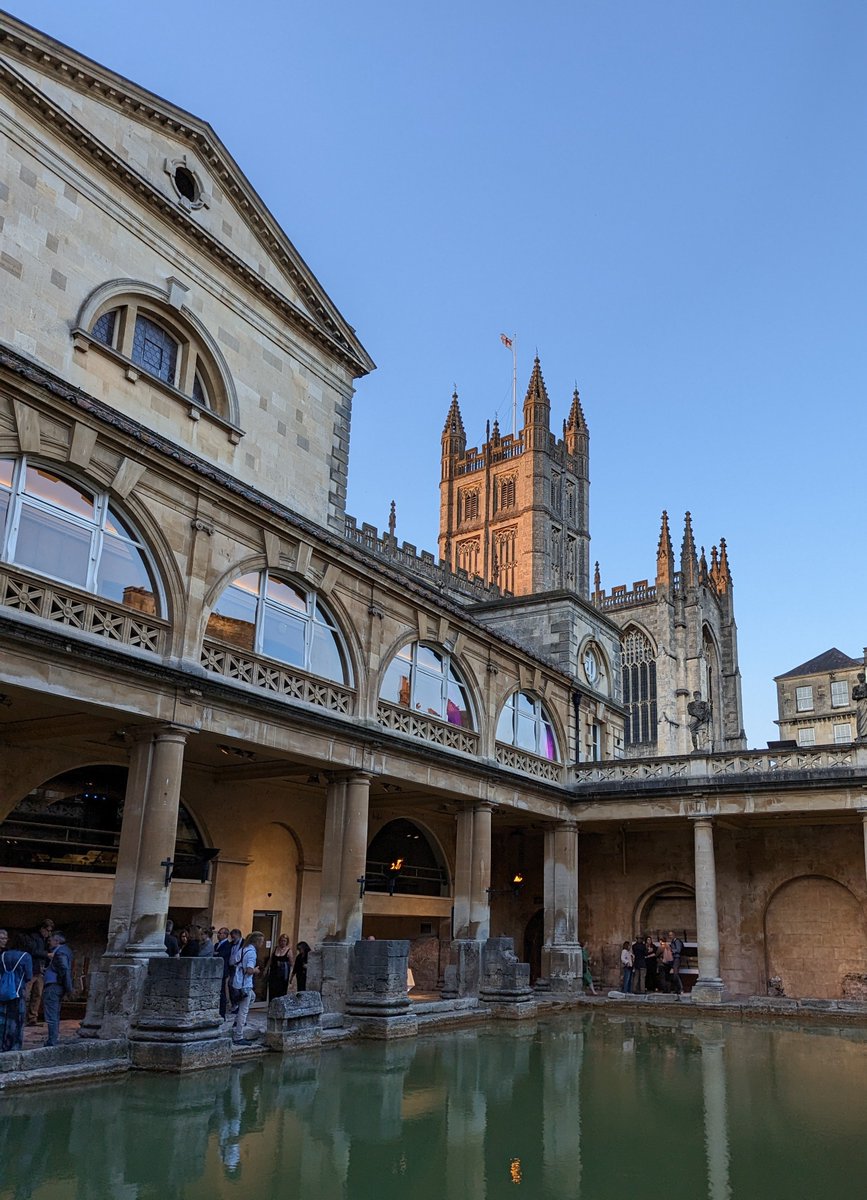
[[668, 200]]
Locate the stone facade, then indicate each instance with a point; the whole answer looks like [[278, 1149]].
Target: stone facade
[[814, 701]]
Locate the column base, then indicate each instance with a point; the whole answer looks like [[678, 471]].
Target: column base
[[707, 991], [564, 970], [328, 972], [114, 999]]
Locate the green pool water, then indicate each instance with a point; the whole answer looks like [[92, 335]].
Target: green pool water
[[573, 1106]]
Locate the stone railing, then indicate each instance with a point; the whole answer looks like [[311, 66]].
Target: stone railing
[[529, 764], [273, 677], [429, 729], [642, 592], [76, 610], [422, 563], [693, 768]]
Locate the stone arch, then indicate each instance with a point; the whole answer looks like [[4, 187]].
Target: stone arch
[[814, 931], [669, 904], [638, 686], [271, 882], [467, 677], [712, 681], [560, 734], [387, 840]]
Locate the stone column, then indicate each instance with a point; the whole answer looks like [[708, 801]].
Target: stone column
[[472, 906], [709, 986], [562, 963], [140, 899], [863, 812], [716, 1139], [341, 904]]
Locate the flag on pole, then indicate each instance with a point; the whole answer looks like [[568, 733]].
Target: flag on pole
[[507, 341]]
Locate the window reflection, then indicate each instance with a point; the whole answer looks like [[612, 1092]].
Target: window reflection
[[423, 678], [525, 724], [269, 616], [51, 525]]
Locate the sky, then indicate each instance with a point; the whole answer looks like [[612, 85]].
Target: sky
[[667, 201]]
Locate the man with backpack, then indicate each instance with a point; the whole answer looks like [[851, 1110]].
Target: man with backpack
[[16, 970]]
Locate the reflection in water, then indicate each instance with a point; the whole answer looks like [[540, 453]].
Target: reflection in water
[[574, 1107]]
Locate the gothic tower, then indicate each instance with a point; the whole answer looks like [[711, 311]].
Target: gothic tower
[[516, 511]]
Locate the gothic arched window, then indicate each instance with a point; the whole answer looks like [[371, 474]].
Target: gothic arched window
[[639, 689], [422, 678], [525, 724], [269, 616], [55, 526]]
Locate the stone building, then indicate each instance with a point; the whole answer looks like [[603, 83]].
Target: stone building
[[814, 700], [221, 697]]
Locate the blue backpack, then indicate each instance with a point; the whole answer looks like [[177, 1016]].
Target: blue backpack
[[10, 982]]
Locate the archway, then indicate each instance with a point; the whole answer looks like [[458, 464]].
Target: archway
[[667, 905], [534, 936], [814, 937]]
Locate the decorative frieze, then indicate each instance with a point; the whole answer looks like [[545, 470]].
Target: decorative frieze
[[440, 733], [528, 764]]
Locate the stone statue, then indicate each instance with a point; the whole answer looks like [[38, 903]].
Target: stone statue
[[699, 719], [859, 695]]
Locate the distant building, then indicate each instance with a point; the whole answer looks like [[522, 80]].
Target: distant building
[[814, 700]]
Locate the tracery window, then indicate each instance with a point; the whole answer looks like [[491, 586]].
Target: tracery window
[[57, 527], [639, 689], [468, 556], [422, 678], [471, 505], [525, 724], [267, 615], [506, 492], [504, 559]]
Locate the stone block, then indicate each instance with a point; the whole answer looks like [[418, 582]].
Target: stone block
[[294, 1022], [503, 980], [565, 966], [461, 976], [179, 1026], [378, 979]]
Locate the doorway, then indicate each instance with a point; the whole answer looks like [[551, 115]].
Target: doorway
[[267, 923]]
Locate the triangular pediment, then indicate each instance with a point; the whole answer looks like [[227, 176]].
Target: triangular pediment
[[141, 139]]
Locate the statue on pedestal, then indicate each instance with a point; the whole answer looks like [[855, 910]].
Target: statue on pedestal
[[859, 695], [699, 719]]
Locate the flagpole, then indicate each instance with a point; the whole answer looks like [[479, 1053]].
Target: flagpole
[[515, 385]]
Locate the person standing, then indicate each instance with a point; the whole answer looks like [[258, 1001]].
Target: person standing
[[58, 983], [222, 950], [650, 962], [242, 982], [280, 968], [626, 962], [676, 945], [639, 959], [664, 960], [37, 945], [299, 968], [173, 946], [586, 973], [16, 971]]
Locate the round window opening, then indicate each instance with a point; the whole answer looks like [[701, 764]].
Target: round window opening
[[186, 184]]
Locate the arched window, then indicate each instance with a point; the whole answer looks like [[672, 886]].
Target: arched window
[[60, 528], [422, 678], [72, 823], [639, 689], [269, 616], [401, 859], [156, 334], [525, 724]]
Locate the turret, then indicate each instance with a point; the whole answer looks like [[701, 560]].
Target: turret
[[537, 411], [575, 433], [454, 439], [664, 558], [688, 559]]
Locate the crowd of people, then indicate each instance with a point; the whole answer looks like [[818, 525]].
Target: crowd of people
[[242, 966], [36, 973], [651, 965]]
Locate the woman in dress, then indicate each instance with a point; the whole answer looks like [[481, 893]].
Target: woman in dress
[[665, 960], [19, 965], [280, 968], [299, 970], [650, 962]]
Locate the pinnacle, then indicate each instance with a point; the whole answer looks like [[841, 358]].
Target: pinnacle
[[576, 413], [454, 422], [537, 393]]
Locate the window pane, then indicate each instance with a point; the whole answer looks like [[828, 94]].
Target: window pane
[[505, 726], [525, 704], [406, 653], [395, 684], [234, 616], [843, 733], [839, 693], [113, 524], [526, 738], [123, 576], [283, 636], [429, 659], [4, 508], [154, 349], [57, 491], [103, 330], [458, 707], [326, 657], [428, 695], [199, 393], [549, 743], [53, 546], [284, 594], [7, 466]]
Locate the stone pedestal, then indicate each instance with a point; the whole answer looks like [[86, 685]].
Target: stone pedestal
[[294, 1022], [378, 1002], [505, 982], [565, 970], [179, 1026], [114, 996], [461, 976]]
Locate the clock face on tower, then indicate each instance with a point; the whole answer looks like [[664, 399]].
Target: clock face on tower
[[591, 665]]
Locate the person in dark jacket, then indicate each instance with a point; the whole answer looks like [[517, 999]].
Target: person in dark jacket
[[36, 945], [17, 966], [639, 957], [58, 983], [299, 968], [222, 949], [173, 946]]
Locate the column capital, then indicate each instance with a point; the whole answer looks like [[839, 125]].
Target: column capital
[[702, 818], [484, 806], [160, 731]]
